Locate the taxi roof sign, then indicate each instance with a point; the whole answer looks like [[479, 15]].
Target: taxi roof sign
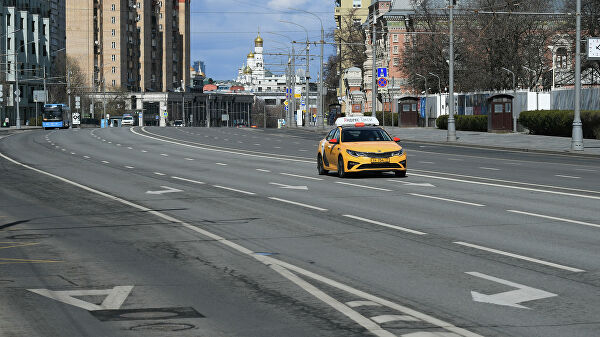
[[360, 120]]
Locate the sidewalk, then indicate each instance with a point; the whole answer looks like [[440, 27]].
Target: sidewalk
[[505, 141]]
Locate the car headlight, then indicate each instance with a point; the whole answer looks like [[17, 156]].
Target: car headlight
[[356, 153], [398, 153]]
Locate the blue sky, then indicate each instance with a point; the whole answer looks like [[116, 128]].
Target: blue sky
[[223, 31]]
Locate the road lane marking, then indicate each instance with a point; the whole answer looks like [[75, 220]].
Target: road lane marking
[[586, 170], [144, 151], [86, 157], [130, 148], [73, 153], [455, 159], [189, 159], [393, 318], [167, 189], [114, 299], [555, 218], [109, 142], [489, 168], [568, 177], [263, 170], [164, 154], [426, 162], [159, 174], [26, 261], [514, 187], [408, 230], [188, 180], [355, 304], [105, 162], [266, 260], [521, 257], [303, 150], [363, 186], [233, 189], [290, 187], [449, 200], [299, 204], [299, 176], [129, 167], [221, 164]]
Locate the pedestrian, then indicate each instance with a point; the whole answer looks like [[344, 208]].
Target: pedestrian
[[6, 122]]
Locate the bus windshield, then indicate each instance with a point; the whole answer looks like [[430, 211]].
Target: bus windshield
[[52, 114]]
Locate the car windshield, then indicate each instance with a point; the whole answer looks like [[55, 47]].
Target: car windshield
[[365, 135]]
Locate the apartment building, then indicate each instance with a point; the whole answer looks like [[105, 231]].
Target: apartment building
[[131, 45], [24, 55]]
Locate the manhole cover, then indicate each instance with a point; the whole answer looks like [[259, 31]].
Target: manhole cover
[[146, 314], [163, 327]]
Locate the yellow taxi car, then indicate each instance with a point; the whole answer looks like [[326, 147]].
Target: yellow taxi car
[[358, 144]]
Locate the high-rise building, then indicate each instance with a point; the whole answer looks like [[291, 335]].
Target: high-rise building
[[25, 38], [131, 45], [200, 67]]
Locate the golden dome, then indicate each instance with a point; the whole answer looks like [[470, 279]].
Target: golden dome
[[258, 41], [247, 70], [251, 55]]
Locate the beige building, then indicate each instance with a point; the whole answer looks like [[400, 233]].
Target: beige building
[[130, 45]]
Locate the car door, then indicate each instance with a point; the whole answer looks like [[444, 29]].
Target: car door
[[331, 150], [324, 144]]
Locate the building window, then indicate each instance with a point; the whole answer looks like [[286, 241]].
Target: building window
[[395, 49], [8, 44], [33, 49], [22, 48], [8, 16], [562, 58], [396, 61], [114, 45], [33, 26], [44, 29], [114, 83], [113, 32], [8, 67], [22, 23], [113, 20], [113, 7], [114, 70], [45, 51], [113, 57], [357, 3], [395, 37]]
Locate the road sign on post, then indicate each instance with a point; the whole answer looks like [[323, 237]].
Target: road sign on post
[[382, 72], [382, 82]]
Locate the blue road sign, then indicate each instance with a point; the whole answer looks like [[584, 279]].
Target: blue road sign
[[382, 82], [382, 72]]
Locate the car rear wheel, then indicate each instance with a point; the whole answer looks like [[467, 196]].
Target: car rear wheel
[[401, 174], [320, 167], [340, 168]]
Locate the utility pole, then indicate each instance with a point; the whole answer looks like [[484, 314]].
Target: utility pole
[[577, 134], [69, 94], [294, 112], [18, 98], [307, 76], [374, 67], [321, 115], [451, 137]]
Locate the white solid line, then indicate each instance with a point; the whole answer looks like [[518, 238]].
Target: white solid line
[[189, 180], [489, 168], [364, 186], [190, 159], [263, 170], [164, 154], [233, 189], [298, 176], [555, 218], [266, 260], [222, 164], [449, 200], [385, 225], [569, 177], [106, 162], [513, 187], [159, 174], [392, 318], [299, 204], [521, 257], [354, 304]]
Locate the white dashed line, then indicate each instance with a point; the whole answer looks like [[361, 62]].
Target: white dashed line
[[426, 162], [568, 177], [129, 167], [490, 168], [299, 176], [586, 170], [455, 159], [130, 148], [221, 164], [189, 180], [233, 189], [105, 162], [521, 257], [190, 159], [73, 153], [299, 204], [159, 174], [449, 200], [164, 154], [408, 230], [86, 157], [364, 186], [263, 170], [144, 151], [554, 218]]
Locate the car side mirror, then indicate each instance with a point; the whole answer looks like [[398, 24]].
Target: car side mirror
[[396, 139], [333, 141]]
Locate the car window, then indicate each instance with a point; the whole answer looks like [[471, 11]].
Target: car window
[[330, 134], [336, 135], [365, 135]]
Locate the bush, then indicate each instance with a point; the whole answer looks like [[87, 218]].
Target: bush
[[560, 122], [464, 122], [388, 117]]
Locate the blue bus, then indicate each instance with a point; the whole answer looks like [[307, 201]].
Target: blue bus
[[56, 116]]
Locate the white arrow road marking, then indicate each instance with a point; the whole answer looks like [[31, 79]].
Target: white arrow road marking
[[167, 189], [509, 298], [289, 187], [114, 299]]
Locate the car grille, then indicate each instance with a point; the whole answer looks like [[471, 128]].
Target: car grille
[[379, 165], [378, 155]]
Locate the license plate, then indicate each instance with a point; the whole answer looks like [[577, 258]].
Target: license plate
[[380, 160]]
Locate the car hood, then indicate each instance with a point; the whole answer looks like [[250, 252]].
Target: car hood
[[373, 146]]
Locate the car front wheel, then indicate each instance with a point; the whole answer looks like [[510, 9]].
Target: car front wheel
[[340, 168], [320, 167]]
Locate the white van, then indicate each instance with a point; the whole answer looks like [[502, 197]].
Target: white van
[[127, 120]]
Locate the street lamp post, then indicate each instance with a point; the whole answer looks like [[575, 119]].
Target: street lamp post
[[426, 92], [577, 135], [307, 74], [514, 98], [451, 124], [292, 109]]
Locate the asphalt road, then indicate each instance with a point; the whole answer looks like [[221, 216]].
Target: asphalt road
[[231, 232]]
